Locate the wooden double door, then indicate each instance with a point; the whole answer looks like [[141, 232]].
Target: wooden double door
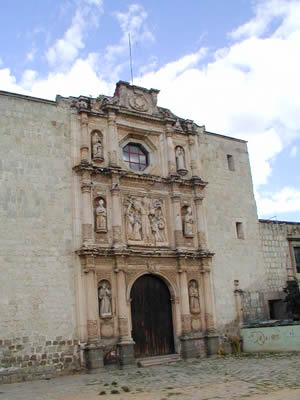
[[152, 327]]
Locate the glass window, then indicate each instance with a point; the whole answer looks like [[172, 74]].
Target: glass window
[[135, 156], [297, 258]]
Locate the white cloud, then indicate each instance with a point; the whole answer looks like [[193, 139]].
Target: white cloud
[[28, 78], [66, 49], [286, 200], [131, 22], [250, 90], [294, 151]]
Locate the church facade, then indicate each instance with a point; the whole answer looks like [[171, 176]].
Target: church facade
[[126, 232]]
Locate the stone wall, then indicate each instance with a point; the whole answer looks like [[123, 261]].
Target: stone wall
[[229, 200], [36, 282]]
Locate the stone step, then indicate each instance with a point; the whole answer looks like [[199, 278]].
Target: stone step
[[158, 360]]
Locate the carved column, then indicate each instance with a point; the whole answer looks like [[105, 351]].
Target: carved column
[[116, 212], [201, 223], [210, 315], [194, 166], [177, 220], [185, 306], [84, 147], [94, 349], [171, 151], [113, 139], [126, 343], [87, 212]]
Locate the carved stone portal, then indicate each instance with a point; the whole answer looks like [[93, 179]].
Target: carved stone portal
[[145, 221], [194, 297], [104, 295]]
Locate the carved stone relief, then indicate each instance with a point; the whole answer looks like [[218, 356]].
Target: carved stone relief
[[194, 297], [145, 221], [100, 215], [188, 221], [138, 102], [104, 295], [92, 328]]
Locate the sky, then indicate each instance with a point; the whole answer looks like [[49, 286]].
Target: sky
[[233, 66]]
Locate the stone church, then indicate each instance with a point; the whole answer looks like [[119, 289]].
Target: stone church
[[126, 232]]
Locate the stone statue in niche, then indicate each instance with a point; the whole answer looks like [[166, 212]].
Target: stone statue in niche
[[104, 294], [145, 221], [180, 161], [101, 216], [194, 297], [188, 221], [97, 148]]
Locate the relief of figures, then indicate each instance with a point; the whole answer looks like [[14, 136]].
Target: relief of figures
[[97, 147], [104, 295], [145, 221], [194, 297], [101, 216], [188, 221]]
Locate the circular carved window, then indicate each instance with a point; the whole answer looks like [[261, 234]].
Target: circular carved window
[[136, 156]]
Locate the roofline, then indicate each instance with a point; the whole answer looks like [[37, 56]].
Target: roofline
[[227, 137], [275, 221], [31, 98]]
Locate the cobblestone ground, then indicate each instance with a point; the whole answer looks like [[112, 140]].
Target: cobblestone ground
[[254, 377]]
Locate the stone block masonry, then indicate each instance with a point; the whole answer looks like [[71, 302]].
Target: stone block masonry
[[37, 311], [34, 357]]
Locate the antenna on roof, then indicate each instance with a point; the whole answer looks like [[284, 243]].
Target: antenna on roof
[[130, 56]]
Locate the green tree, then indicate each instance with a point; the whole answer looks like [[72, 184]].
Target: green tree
[[293, 299]]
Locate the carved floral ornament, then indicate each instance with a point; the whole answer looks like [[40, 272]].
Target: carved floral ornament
[[145, 221]]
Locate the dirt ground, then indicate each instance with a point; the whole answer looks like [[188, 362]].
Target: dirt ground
[[255, 377]]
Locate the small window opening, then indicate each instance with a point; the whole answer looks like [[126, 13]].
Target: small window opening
[[230, 162], [277, 309], [297, 258], [239, 230]]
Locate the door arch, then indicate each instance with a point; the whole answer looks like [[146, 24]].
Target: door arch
[[151, 312]]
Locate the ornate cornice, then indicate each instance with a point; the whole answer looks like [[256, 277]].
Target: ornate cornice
[[111, 171], [157, 253]]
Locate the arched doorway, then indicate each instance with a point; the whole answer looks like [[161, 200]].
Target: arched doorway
[[152, 327]]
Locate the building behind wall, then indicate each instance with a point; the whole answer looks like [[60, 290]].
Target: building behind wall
[[119, 217]]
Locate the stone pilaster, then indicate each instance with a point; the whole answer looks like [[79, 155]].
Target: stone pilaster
[[91, 300], [87, 211], [210, 314], [126, 344], [112, 139], [194, 166], [85, 145], [201, 222], [185, 306], [170, 150], [116, 212], [176, 205]]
